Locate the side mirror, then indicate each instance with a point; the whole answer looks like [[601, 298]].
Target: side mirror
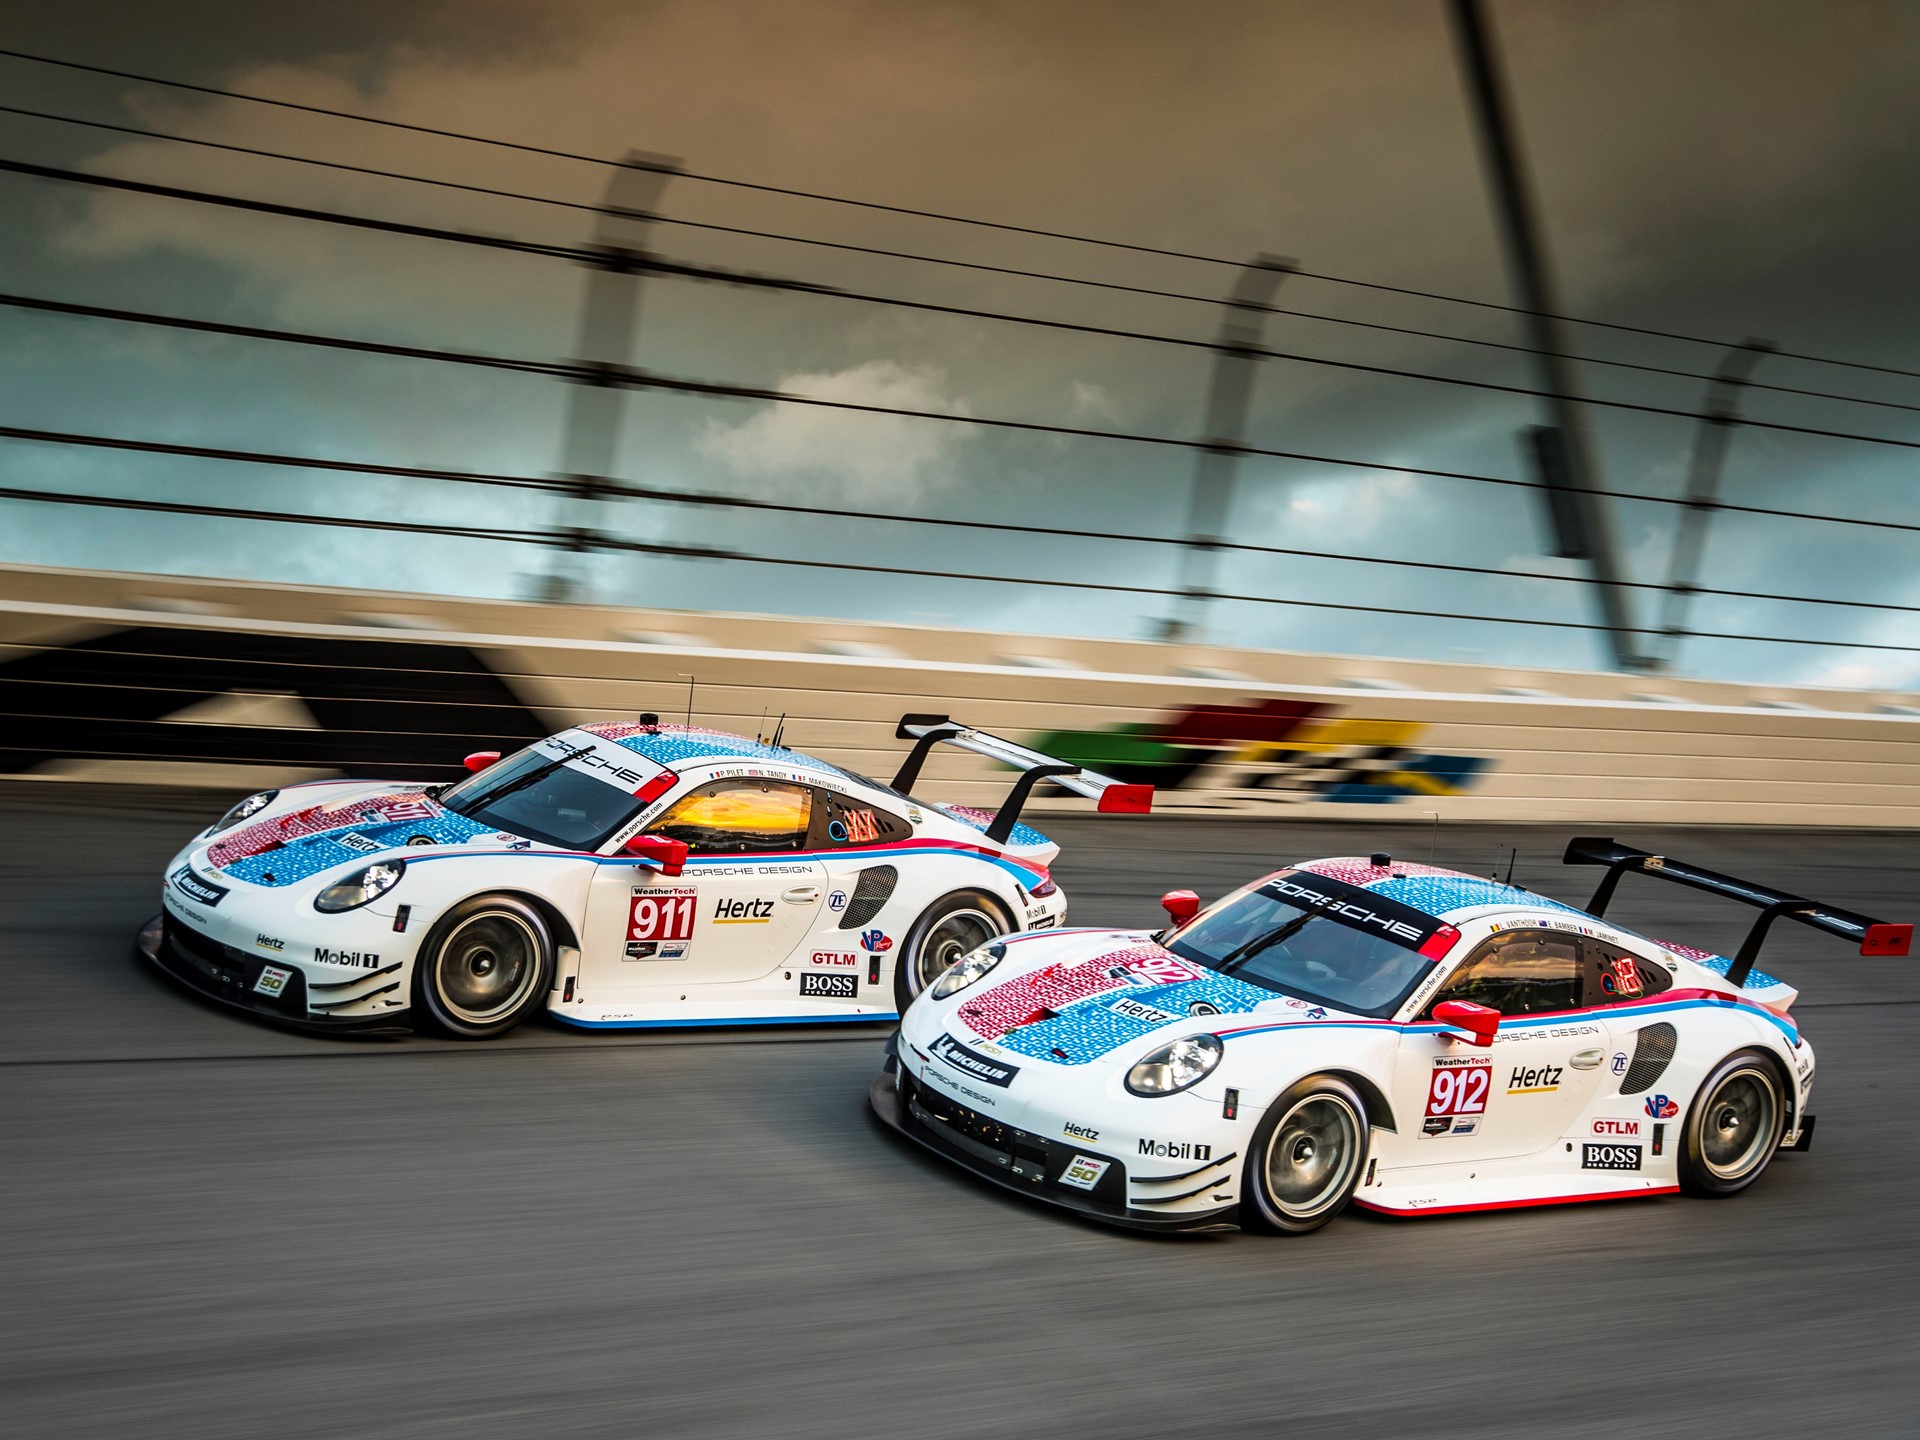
[[669, 855], [1180, 905], [480, 760], [1481, 1020]]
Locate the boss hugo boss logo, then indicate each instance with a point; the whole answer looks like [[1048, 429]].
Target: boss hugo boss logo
[[1534, 1080], [830, 985], [740, 912], [1175, 1150], [1609, 1157], [972, 1062], [356, 959]]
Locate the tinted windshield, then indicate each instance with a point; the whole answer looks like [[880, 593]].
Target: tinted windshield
[[565, 807], [1301, 950]]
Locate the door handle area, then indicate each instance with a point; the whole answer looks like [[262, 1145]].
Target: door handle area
[[801, 895], [1587, 1059]]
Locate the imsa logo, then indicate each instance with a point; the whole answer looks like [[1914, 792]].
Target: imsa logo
[[1175, 1150]]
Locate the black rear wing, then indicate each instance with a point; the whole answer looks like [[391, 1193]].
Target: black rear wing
[[927, 731], [1874, 937]]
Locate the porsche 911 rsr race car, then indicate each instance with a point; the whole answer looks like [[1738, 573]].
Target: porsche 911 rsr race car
[[1416, 1040], [618, 875]]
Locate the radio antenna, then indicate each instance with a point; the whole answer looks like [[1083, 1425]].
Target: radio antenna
[[1434, 845], [759, 731], [681, 674], [779, 730], [1512, 855]]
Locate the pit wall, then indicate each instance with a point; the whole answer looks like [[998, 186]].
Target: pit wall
[[107, 676]]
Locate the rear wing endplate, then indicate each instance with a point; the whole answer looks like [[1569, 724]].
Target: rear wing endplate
[[926, 731], [1874, 937]]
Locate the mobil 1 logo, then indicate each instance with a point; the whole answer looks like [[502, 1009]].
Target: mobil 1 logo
[[1609, 1157], [830, 985]]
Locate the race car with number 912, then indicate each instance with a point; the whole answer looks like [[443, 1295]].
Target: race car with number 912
[[615, 875], [1413, 1040]]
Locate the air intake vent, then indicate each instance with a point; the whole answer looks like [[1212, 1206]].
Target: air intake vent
[[1652, 1053], [873, 889]]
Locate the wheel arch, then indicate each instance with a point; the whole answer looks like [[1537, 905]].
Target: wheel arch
[[1379, 1111]]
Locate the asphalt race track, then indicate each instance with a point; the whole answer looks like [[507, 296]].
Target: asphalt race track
[[213, 1228]]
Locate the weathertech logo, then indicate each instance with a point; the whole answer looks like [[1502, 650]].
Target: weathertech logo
[[1175, 1150]]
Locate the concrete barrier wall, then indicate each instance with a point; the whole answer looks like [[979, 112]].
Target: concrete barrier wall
[[109, 676]]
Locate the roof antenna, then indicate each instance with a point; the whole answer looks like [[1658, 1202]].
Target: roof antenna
[[681, 674], [1435, 845], [779, 730], [1512, 855], [759, 731]]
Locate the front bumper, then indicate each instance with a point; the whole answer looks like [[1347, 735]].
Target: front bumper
[[220, 972], [1022, 1162]]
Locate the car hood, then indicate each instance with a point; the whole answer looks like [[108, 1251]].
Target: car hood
[[1078, 996], [342, 824]]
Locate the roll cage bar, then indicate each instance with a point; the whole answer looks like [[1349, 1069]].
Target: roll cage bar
[[1874, 937], [926, 731]]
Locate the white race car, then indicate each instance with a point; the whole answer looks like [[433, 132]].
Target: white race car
[[1415, 1040], [618, 875]]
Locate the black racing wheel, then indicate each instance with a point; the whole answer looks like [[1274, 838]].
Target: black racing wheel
[[484, 968], [946, 930], [1734, 1127], [1304, 1162]]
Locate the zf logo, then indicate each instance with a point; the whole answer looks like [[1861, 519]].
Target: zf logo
[[743, 911]]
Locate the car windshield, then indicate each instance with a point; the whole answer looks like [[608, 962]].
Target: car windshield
[[564, 807], [1306, 953]]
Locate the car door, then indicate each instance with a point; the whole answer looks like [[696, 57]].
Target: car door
[[746, 901], [1522, 1093]]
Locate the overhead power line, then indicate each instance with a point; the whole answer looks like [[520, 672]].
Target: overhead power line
[[656, 265], [622, 545], [1212, 301], [911, 211], [620, 489], [641, 379]]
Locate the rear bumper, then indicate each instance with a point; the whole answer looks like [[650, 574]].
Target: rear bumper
[[1029, 1165], [222, 973]]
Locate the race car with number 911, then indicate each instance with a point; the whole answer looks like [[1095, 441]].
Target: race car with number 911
[[615, 875], [1413, 1040]]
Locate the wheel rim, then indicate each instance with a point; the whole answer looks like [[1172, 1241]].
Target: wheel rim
[[486, 966], [952, 936], [1312, 1154], [1737, 1123]]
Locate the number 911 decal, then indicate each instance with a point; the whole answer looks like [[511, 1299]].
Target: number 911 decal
[[660, 924]]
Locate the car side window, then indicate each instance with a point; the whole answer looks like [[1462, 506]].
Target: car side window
[[1520, 972], [840, 821], [739, 817], [1613, 974]]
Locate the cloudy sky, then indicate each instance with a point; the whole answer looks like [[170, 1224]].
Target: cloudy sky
[[1719, 169]]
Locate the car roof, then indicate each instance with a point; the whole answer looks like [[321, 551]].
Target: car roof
[[678, 746], [1438, 892]]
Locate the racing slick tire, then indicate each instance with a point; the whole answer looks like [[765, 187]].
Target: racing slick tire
[[484, 968], [1305, 1160], [1734, 1126], [946, 930]]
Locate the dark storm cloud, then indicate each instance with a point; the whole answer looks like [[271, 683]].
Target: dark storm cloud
[[1717, 168]]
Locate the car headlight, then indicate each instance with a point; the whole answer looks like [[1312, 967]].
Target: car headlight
[[1174, 1067], [967, 969], [368, 883], [247, 808]]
